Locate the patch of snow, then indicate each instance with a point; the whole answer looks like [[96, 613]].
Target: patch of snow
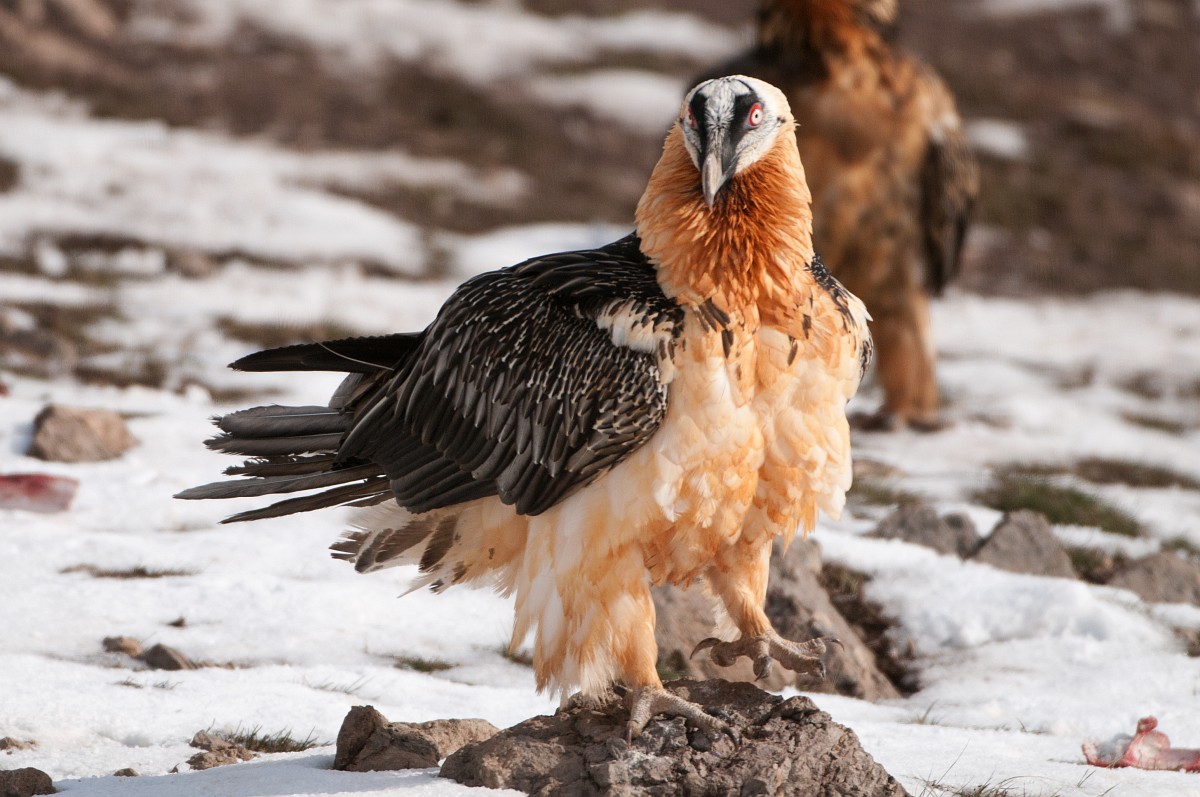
[[476, 41], [199, 190], [642, 101], [475, 254], [999, 138], [1119, 14]]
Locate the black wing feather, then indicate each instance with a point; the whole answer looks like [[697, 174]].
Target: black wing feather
[[513, 391], [536, 400]]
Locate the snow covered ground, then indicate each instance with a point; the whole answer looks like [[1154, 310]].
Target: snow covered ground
[[1016, 671]]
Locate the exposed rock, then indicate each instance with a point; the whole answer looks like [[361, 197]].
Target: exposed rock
[[25, 782], [127, 772], [78, 434], [368, 742], [921, 525], [192, 263], [217, 751], [9, 743], [37, 492], [1163, 577], [799, 609], [449, 735], [788, 747], [1023, 542], [123, 644], [161, 657]]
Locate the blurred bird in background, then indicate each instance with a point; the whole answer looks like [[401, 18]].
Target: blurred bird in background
[[892, 178], [581, 426]]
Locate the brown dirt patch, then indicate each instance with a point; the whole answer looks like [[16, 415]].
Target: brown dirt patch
[[846, 590]]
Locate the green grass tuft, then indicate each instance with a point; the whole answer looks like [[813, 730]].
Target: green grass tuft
[[1014, 490], [1135, 474], [418, 664], [875, 493]]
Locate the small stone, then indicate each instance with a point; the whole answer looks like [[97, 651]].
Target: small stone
[[78, 434], [9, 743], [1023, 542], [127, 772], [1163, 577], [219, 758], [25, 783], [921, 525], [161, 657], [367, 741], [123, 644], [218, 751], [37, 492]]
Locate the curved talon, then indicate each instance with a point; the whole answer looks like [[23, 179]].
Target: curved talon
[[764, 649], [704, 644]]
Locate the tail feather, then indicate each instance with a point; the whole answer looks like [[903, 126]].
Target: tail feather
[[271, 485], [275, 446], [277, 421], [295, 450], [373, 488]]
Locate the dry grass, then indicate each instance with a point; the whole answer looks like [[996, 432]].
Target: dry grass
[[255, 740], [138, 571], [1158, 423], [270, 336], [418, 664], [10, 174]]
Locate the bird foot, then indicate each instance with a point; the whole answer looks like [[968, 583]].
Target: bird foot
[[885, 420], [646, 702], [800, 657]]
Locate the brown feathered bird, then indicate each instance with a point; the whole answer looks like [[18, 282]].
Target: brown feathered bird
[[892, 178], [581, 426]]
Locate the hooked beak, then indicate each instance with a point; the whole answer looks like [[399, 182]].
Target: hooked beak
[[718, 165]]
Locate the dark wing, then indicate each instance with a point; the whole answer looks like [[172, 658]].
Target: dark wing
[[949, 186], [516, 390]]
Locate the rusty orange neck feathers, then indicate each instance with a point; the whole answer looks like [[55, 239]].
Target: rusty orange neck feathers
[[749, 253]]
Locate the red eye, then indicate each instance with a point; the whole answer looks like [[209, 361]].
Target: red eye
[[756, 115], [691, 119]]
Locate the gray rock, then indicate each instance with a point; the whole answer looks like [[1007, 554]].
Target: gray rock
[[25, 783], [798, 608], [161, 657], [77, 434], [787, 748], [921, 525], [1023, 542], [1163, 577], [368, 742]]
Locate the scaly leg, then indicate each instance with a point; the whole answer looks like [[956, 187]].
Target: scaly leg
[[738, 575], [622, 637], [904, 359]]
